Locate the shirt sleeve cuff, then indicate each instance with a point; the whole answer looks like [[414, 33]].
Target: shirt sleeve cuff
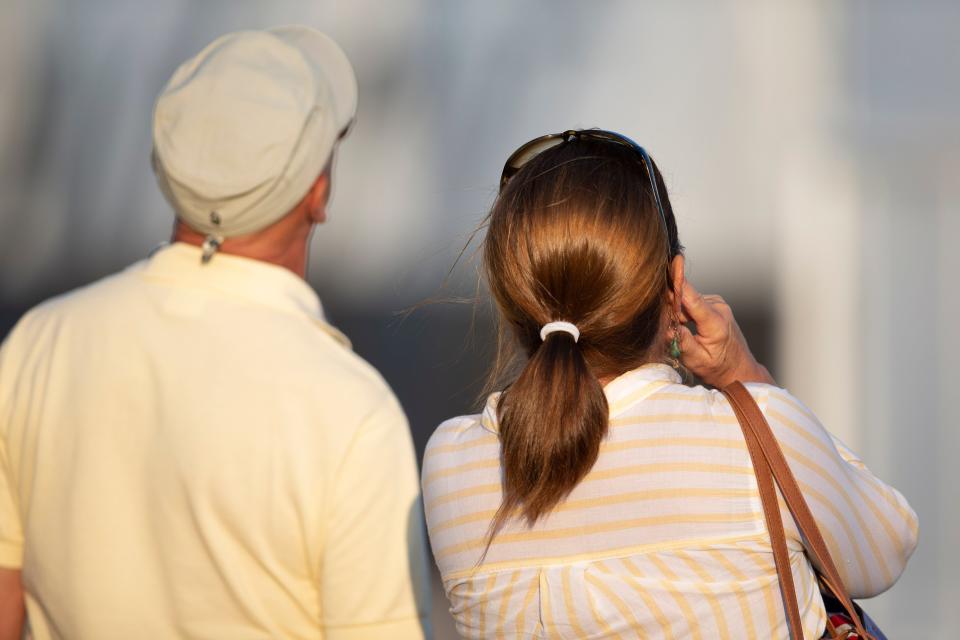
[[407, 629], [11, 555]]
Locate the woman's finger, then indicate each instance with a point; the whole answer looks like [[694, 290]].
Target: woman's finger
[[698, 308], [691, 349]]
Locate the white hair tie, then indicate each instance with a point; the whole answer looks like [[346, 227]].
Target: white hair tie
[[566, 327]]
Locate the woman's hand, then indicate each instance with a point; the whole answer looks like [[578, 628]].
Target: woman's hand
[[718, 354]]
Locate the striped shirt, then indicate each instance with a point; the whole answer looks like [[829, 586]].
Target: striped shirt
[[665, 536]]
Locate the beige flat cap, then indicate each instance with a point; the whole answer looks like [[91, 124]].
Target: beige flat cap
[[243, 129]]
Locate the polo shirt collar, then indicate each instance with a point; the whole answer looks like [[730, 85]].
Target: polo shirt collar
[[633, 386], [254, 280], [622, 392]]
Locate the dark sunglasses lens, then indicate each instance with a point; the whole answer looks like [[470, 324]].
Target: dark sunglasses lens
[[609, 136], [524, 154]]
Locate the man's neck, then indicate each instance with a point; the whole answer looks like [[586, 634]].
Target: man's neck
[[282, 244]]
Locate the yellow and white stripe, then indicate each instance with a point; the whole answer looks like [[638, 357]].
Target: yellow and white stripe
[[665, 536]]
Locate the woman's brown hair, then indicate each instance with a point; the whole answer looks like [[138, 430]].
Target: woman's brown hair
[[574, 236]]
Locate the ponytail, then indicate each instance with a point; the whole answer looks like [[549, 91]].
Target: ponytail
[[575, 235], [551, 422]]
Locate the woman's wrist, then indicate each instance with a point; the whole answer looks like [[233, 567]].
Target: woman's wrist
[[751, 371], [748, 370]]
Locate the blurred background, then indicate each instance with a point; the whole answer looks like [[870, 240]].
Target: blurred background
[[812, 152]]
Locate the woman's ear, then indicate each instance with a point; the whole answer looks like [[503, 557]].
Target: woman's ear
[[677, 279]]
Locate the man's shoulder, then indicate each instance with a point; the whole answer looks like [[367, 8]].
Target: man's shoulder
[[347, 373], [100, 296]]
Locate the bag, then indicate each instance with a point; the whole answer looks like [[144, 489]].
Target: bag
[[845, 619]]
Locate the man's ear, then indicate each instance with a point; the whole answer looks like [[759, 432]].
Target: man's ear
[[316, 199], [677, 278]]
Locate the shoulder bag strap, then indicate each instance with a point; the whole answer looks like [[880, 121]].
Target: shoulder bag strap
[[762, 444], [771, 513]]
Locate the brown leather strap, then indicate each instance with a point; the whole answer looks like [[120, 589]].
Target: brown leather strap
[[796, 503], [778, 539], [771, 513], [762, 443]]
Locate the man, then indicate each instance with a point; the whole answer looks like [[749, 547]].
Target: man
[[187, 448]]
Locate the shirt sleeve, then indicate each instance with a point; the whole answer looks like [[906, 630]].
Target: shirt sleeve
[[11, 529], [374, 582], [869, 527]]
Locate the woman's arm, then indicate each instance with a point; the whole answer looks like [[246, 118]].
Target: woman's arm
[[868, 526]]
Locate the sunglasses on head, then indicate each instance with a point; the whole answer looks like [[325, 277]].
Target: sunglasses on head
[[535, 147]]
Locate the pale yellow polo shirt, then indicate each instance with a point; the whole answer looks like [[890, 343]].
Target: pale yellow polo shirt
[[191, 451]]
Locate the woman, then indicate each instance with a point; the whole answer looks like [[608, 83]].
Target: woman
[[597, 496]]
